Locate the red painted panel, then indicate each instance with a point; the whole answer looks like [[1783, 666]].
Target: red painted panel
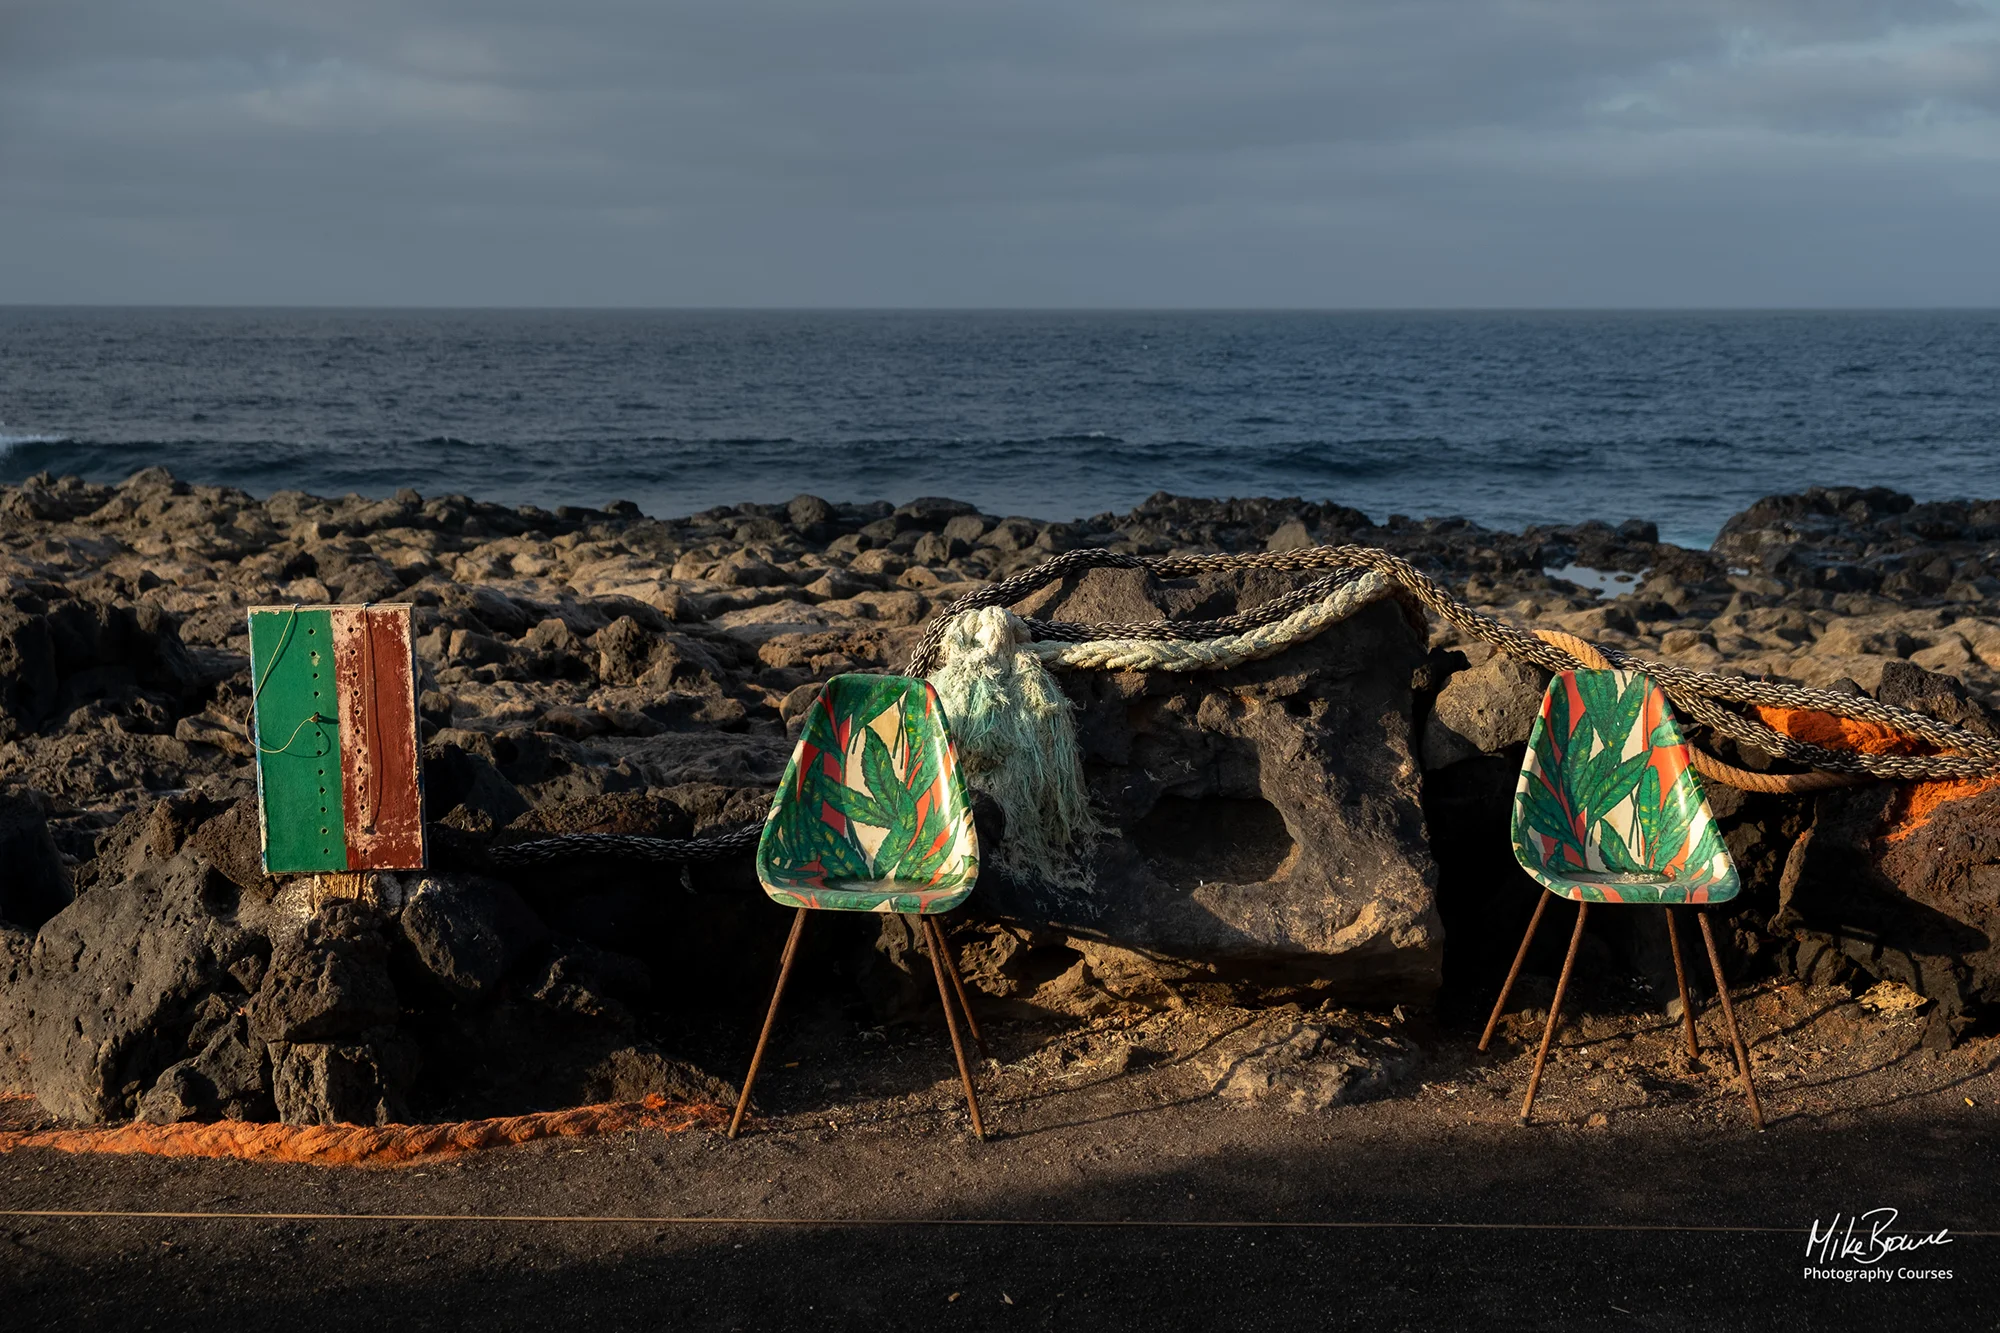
[[375, 671]]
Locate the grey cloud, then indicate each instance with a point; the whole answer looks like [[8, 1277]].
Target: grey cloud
[[912, 151]]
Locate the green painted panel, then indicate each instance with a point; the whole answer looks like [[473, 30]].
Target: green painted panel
[[298, 760]]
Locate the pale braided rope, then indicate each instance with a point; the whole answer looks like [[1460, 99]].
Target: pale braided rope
[[1698, 695], [1136, 654], [1278, 608], [1128, 654]]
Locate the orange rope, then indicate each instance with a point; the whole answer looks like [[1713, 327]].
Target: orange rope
[[1582, 650], [367, 1145], [1715, 770]]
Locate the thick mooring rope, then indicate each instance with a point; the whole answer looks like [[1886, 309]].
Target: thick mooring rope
[[1142, 653], [1355, 576], [1698, 695]]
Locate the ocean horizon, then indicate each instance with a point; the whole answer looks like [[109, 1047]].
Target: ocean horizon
[[1509, 418]]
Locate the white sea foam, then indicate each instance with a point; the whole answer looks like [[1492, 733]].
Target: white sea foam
[[10, 439]]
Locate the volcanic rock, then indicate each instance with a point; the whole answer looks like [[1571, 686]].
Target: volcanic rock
[[230, 1079], [353, 1083], [1306, 1066], [1266, 819], [1911, 900], [467, 932], [330, 980], [117, 978], [16, 1014], [56, 655], [1489, 709], [232, 842]]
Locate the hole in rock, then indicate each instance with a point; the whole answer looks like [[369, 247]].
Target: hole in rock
[[1223, 838]]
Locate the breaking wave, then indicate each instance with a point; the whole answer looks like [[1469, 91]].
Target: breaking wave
[[11, 440]]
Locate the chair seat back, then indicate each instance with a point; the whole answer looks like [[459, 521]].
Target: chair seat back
[[1608, 807], [873, 813]]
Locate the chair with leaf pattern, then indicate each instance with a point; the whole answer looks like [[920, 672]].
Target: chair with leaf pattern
[[1609, 810], [873, 816]]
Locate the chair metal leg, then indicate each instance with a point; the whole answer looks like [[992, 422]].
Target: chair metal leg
[[1729, 1016], [1555, 1012], [1520, 956], [936, 933], [957, 1044], [770, 1018], [1681, 976]]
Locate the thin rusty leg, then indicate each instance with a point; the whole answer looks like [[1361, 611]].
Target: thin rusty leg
[[957, 982], [770, 1018], [1680, 975], [1520, 956], [957, 1045], [1729, 1016], [1555, 1011]]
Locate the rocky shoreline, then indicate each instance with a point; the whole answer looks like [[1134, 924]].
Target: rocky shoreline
[[602, 670]]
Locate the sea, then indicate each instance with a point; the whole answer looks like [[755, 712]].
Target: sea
[[1507, 418]]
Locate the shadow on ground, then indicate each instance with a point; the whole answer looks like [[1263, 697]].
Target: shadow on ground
[[1146, 1222]]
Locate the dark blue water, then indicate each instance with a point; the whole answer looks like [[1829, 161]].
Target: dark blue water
[[1506, 418]]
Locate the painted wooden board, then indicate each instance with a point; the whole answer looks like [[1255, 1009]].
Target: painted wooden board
[[335, 722]]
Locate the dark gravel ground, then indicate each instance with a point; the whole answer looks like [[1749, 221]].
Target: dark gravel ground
[[1106, 1201]]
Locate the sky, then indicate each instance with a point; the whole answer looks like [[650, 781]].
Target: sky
[[1041, 153]]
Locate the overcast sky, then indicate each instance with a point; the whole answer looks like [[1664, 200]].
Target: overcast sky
[[1327, 153]]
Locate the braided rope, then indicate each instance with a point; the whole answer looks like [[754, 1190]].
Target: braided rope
[[1131, 653], [1699, 695], [1352, 577], [1704, 763], [1278, 608], [1514, 641], [1788, 784], [367, 1145], [1583, 650]]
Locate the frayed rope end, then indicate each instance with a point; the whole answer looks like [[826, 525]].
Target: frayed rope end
[[1016, 736]]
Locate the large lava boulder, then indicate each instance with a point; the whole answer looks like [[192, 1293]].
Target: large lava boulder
[[1909, 895], [119, 981], [1265, 824], [1903, 880]]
